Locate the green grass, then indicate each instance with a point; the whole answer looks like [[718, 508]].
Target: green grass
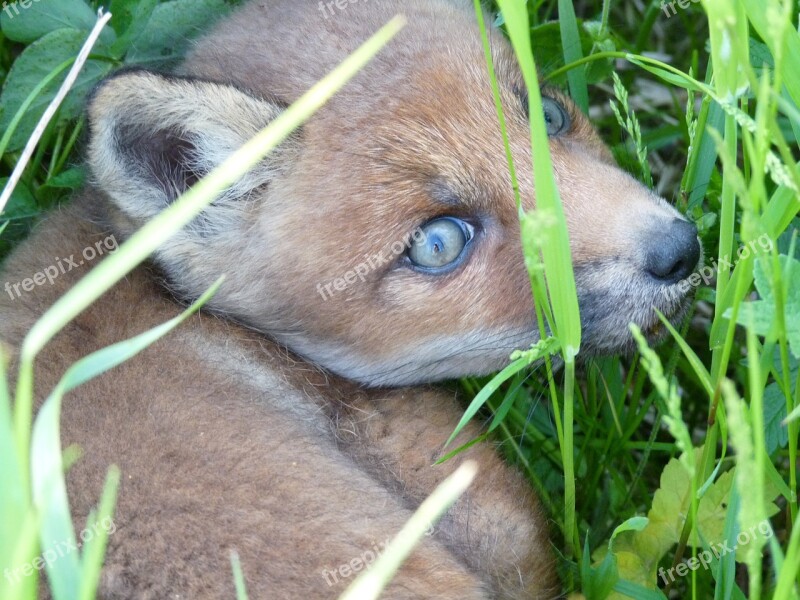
[[642, 462]]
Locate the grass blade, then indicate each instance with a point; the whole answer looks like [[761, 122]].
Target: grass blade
[[370, 584]]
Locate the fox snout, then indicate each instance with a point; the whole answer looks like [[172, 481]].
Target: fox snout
[[638, 269], [673, 252]]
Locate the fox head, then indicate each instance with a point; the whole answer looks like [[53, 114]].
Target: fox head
[[381, 241]]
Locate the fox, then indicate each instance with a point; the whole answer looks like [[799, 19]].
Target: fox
[[296, 419]]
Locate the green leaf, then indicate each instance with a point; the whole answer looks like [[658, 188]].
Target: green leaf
[[555, 245], [71, 179], [170, 29], [599, 70], [22, 204], [764, 310], [728, 35], [638, 592], [238, 577], [44, 16], [50, 500], [130, 17], [102, 525], [760, 56], [571, 43], [632, 524], [775, 432], [550, 57], [124, 13], [522, 359], [668, 76], [35, 63], [490, 388], [598, 581], [13, 499], [639, 550]]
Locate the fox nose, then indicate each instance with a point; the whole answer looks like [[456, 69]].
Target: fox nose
[[673, 252]]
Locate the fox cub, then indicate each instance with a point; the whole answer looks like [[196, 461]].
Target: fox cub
[[376, 251]]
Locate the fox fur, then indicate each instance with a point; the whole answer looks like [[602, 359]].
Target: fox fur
[[295, 427]]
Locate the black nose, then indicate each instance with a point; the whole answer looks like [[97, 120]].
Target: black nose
[[673, 252]]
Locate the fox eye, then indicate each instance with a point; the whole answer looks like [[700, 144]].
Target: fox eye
[[441, 244], [555, 117]]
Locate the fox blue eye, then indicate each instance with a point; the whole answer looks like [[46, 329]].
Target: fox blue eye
[[442, 244], [555, 117]]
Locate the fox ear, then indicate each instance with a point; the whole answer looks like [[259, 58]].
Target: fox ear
[[153, 136]]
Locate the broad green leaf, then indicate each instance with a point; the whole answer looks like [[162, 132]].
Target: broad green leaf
[[27, 25], [598, 581], [35, 63], [764, 310], [632, 524], [130, 18], [639, 552], [125, 13], [602, 41], [22, 204], [71, 179], [628, 589], [775, 432], [171, 28], [608, 571]]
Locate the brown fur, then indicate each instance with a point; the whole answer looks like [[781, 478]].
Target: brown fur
[[265, 424]]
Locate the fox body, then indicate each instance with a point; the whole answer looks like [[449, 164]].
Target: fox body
[[374, 252]]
